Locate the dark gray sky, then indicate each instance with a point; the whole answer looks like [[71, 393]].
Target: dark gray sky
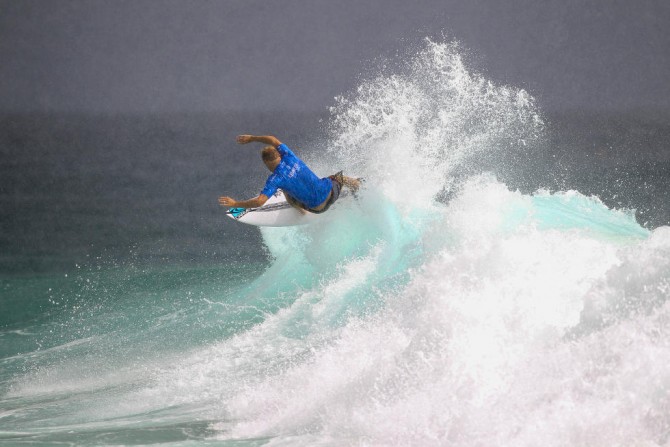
[[154, 56]]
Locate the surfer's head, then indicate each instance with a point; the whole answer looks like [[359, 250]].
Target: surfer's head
[[270, 157]]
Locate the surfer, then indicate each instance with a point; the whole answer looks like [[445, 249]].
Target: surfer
[[302, 188]]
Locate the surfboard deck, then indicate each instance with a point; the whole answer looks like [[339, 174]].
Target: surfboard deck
[[276, 212]]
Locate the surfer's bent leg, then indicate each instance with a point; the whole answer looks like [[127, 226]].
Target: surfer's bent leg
[[295, 204], [352, 183]]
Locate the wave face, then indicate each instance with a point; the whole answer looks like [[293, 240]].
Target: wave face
[[441, 307]]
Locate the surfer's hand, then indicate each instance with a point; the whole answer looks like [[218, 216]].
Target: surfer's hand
[[227, 201], [244, 139]]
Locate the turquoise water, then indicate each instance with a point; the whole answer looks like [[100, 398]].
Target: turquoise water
[[443, 306]]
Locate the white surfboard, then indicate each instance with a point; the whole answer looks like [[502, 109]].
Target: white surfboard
[[276, 212]]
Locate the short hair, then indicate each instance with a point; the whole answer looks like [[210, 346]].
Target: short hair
[[269, 153]]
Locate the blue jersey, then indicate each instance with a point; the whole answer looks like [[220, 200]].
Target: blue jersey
[[297, 180]]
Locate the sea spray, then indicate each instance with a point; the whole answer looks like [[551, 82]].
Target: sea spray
[[412, 131]]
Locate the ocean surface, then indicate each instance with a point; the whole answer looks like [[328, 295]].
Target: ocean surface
[[502, 279]]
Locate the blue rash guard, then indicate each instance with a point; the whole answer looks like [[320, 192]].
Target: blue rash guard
[[296, 180]]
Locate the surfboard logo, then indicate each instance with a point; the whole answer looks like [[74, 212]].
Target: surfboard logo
[[237, 212]]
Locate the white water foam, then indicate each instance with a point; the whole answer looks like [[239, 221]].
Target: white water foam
[[477, 349]]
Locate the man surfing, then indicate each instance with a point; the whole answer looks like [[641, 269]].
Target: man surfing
[[302, 188]]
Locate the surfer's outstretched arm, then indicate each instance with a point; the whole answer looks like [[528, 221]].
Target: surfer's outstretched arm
[[251, 203], [265, 139]]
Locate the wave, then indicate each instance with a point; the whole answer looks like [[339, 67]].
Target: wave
[[495, 335], [441, 307]]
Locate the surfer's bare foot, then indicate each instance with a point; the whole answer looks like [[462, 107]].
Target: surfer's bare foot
[[351, 183]]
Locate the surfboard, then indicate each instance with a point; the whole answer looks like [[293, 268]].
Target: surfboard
[[276, 212]]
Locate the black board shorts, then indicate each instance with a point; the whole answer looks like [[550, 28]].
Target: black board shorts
[[334, 193]]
